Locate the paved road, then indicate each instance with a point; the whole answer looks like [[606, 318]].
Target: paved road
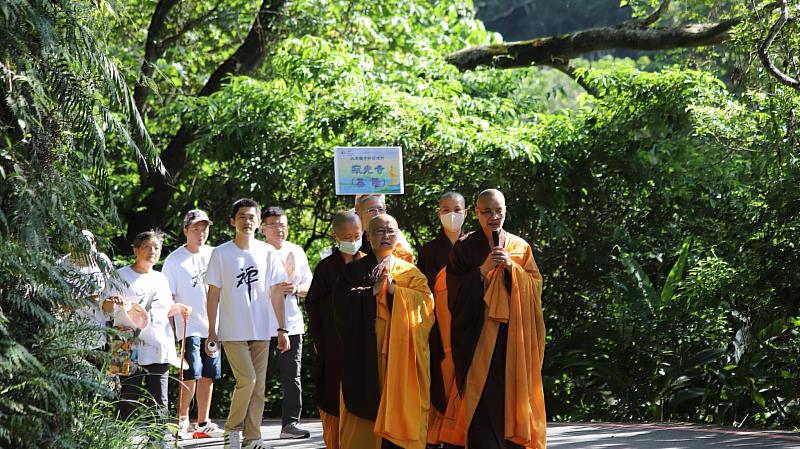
[[583, 436]]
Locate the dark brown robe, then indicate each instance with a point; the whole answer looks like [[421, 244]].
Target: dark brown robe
[[354, 312], [322, 329]]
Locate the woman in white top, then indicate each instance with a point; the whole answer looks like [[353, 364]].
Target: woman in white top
[[155, 345]]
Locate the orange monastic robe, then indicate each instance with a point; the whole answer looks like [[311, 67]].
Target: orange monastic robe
[[520, 309], [448, 427]]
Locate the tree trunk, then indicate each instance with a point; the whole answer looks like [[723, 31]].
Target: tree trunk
[[556, 49], [162, 187]]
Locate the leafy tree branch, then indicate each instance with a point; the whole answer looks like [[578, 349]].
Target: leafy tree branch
[[763, 50]]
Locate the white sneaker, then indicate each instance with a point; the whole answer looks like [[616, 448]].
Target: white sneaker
[[232, 440], [184, 425], [209, 428], [257, 444]]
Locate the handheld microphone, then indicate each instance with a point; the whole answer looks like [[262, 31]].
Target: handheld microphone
[[496, 237]]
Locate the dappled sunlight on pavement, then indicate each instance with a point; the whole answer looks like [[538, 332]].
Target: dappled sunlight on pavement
[[579, 436], [270, 431], [654, 436]]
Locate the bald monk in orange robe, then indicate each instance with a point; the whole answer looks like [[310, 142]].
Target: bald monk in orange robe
[[497, 333], [383, 313]]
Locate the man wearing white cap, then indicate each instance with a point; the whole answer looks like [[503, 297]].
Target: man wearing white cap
[[185, 268]]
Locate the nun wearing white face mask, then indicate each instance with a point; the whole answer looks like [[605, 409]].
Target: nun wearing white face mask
[[432, 259], [433, 255]]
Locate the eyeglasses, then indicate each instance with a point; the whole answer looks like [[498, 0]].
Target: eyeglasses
[[376, 210], [387, 232], [491, 213], [276, 225]]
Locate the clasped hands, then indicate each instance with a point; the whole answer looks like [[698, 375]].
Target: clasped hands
[[384, 278]]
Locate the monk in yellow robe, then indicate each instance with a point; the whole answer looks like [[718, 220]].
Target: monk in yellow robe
[[497, 333], [383, 310]]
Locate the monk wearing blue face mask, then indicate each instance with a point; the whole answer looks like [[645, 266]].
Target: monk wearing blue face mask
[[327, 378]]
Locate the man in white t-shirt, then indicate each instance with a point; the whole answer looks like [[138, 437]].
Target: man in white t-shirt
[[275, 227], [185, 268], [243, 278]]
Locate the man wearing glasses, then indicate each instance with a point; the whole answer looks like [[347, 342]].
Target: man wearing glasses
[[370, 206], [383, 310], [497, 335], [275, 227]]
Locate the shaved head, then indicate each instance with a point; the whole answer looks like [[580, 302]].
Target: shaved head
[[368, 206], [491, 211], [382, 235], [343, 218], [491, 193], [381, 220], [452, 197], [361, 200]]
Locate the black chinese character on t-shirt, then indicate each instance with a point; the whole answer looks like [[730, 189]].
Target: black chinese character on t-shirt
[[247, 276]]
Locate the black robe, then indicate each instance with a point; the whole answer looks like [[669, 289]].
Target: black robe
[[354, 309], [465, 300], [432, 258], [321, 328]]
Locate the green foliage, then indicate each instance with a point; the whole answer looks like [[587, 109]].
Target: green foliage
[[663, 211], [62, 98], [635, 174]]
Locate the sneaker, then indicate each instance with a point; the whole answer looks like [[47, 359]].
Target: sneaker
[[257, 444], [232, 440], [183, 425], [292, 431], [209, 428]]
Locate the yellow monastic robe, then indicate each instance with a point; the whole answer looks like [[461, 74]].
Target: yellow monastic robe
[[405, 358], [403, 366]]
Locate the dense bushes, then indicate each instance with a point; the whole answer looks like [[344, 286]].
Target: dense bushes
[[664, 211]]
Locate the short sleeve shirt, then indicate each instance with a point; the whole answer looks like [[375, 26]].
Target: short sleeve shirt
[[244, 278]]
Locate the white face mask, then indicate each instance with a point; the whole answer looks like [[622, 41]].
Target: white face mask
[[452, 221], [349, 248]]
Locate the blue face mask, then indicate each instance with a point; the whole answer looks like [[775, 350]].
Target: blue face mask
[[349, 248]]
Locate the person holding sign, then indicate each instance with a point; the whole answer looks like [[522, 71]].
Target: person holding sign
[[383, 310], [445, 423], [319, 304], [275, 227], [494, 295]]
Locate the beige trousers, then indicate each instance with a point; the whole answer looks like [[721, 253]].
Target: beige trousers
[[248, 361]]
